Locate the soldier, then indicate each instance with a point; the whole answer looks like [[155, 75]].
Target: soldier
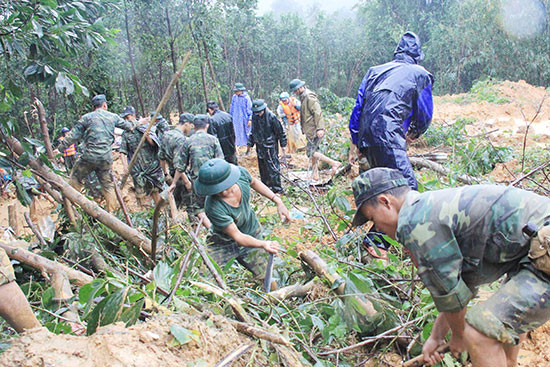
[[146, 172], [267, 134], [14, 307], [236, 232], [461, 238], [69, 154], [173, 140], [221, 126], [196, 150], [313, 126], [97, 132]]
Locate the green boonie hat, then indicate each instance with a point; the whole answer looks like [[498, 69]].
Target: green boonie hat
[[186, 117], [258, 105], [372, 183], [295, 84], [239, 86], [99, 100], [215, 176], [284, 95]]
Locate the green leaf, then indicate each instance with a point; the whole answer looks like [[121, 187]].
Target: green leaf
[[107, 311], [183, 335], [163, 274], [130, 316]]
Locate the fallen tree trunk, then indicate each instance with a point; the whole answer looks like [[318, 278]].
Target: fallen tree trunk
[[253, 331], [128, 233], [436, 167], [45, 265], [320, 267]]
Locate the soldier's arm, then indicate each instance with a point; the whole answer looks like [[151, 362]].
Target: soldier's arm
[[123, 124]]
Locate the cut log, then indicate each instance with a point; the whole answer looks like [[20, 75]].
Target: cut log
[[44, 265], [295, 290], [320, 267], [128, 233], [259, 333]]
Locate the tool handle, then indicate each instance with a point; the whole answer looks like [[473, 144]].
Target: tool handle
[[268, 274], [419, 360]]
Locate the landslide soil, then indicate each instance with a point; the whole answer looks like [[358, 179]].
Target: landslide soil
[[142, 345]]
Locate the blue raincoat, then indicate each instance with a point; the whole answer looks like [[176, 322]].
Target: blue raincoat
[[241, 111], [393, 99]]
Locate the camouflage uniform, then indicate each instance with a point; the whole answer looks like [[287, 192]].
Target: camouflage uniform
[[6, 270], [197, 149], [463, 237], [161, 127], [97, 131], [146, 172], [173, 141]]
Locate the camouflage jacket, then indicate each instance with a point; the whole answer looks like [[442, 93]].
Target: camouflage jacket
[[462, 237], [311, 114], [147, 165], [161, 127], [96, 131], [197, 149], [172, 141]]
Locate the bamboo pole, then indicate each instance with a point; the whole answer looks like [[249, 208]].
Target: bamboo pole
[[163, 101]]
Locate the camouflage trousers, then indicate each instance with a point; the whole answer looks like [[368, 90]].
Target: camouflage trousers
[[519, 306], [254, 260], [81, 171], [6, 270]]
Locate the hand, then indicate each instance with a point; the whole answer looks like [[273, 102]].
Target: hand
[[284, 214], [143, 120], [249, 123], [457, 345], [320, 133], [410, 138], [429, 350], [272, 247], [172, 187], [353, 154]]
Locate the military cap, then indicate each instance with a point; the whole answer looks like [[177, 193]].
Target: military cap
[[258, 105], [64, 130], [371, 183], [98, 100], [159, 116], [201, 121], [295, 84], [186, 117], [212, 105], [284, 95], [128, 110], [239, 86], [215, 176]]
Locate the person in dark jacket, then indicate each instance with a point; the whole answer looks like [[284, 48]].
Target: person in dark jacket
[[394, 104], [221, 126], [267, 133]]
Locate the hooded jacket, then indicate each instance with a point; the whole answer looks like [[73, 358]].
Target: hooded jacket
[[393, 98]]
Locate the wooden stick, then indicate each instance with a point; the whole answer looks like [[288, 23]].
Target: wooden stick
[[44, 265], [234, 302], [121, 200], [183, 269], [44, 128], [163, 101], [154, 231], [12, 219], [530, 173], [259, 333], [434, 166], [228, 360], [419, 360], [34, 229]]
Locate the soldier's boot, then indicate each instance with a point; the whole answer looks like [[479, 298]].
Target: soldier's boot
[[111, 202], [15, 309]]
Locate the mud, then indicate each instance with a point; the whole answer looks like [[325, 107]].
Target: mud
[[146, 344]]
